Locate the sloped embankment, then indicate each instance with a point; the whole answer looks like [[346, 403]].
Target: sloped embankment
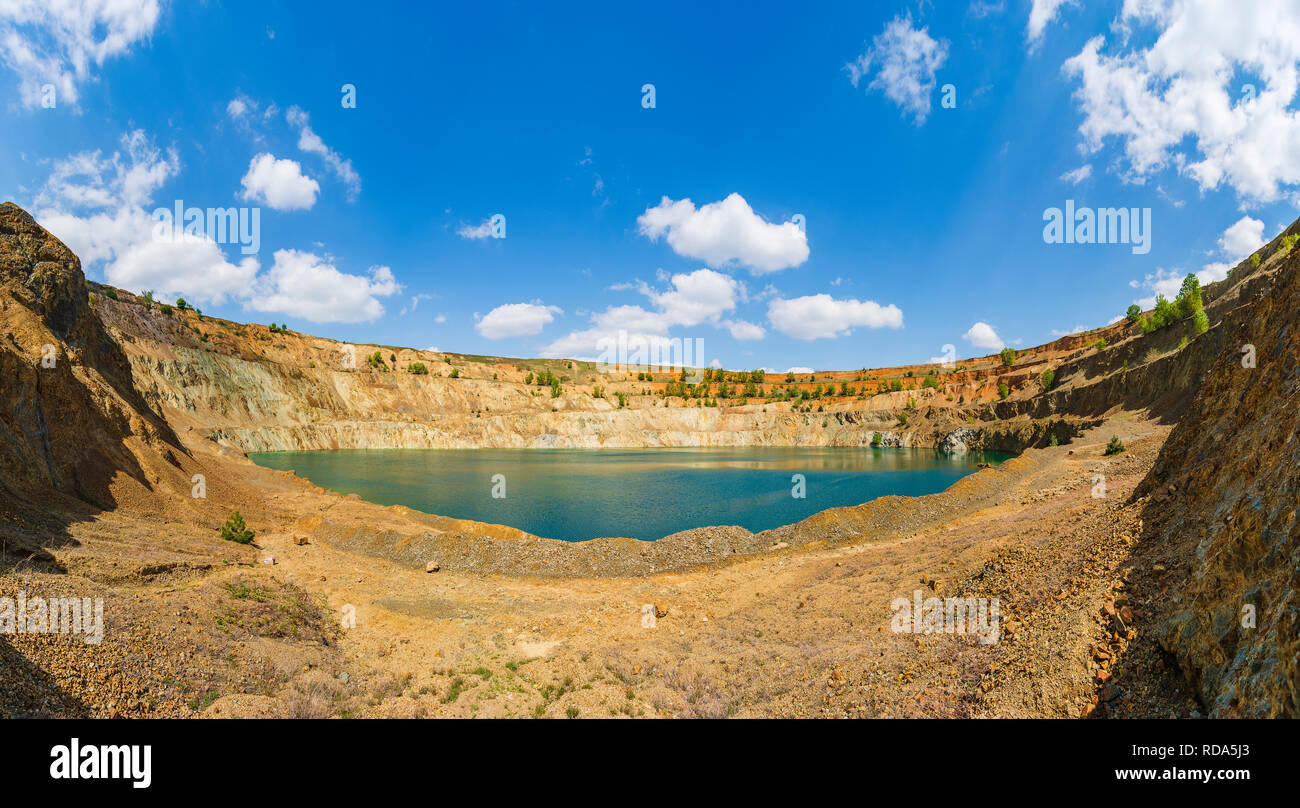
[[1223, 502]]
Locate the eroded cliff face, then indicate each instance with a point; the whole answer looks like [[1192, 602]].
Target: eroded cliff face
[[253, 389], [1223, 503], [71, 418]]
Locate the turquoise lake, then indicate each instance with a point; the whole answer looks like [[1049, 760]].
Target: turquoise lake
[[577, 494]]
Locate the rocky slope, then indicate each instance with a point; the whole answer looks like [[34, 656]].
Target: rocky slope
[[1222, 501]]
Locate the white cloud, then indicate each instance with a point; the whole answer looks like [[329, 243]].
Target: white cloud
[[800, 370], [238, 107], [1078, 329], [742, 330], [905, 61], [96, 205], [516, 320], [58, 41], [982, 335], [1242, 238], [725, 232], [1078, 175], [1183, 99], [695, 298], [311, 143], [481, 231], [1041, 13], [306, 285], [279, 184], [189, 266], [822, 316], [415, 303]]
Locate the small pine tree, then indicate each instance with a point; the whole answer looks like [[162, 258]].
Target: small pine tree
[[235, 530], [1115, 446]]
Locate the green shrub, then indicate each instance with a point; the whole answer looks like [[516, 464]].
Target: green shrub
[[930, 382], [235, 530], [1049, 376], [1115, 446], [902, 419], [1134, 312], [1201, 321], [1008, 356], [111, 293], [455, 373], [1189, 296], [877, 439], [165, 309], [1052, 441], [1003, 390], [417, 368]]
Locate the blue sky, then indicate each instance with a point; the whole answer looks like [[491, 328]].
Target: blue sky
[[923, 225]]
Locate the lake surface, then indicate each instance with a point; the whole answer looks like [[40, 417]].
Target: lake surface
[[577, 494]]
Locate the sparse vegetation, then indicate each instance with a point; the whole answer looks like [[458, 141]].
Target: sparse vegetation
[[417, 368], [1115, 446], [1048, 377], [1003, 391], [235, 530]]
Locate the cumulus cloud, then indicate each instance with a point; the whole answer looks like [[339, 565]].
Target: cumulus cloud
[[744, 331], [95, 203], [983, 335], [311, 143], [309, 286], [1241, 239], [1041, 14], [904, 61], [279, 184], [1212, 93], [822, 316], [58, 43], [188, 265], [516, 320], [98, 205], [726, 232], [694, 298]]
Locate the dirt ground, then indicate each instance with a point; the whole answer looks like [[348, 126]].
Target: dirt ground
[[197, 626]]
